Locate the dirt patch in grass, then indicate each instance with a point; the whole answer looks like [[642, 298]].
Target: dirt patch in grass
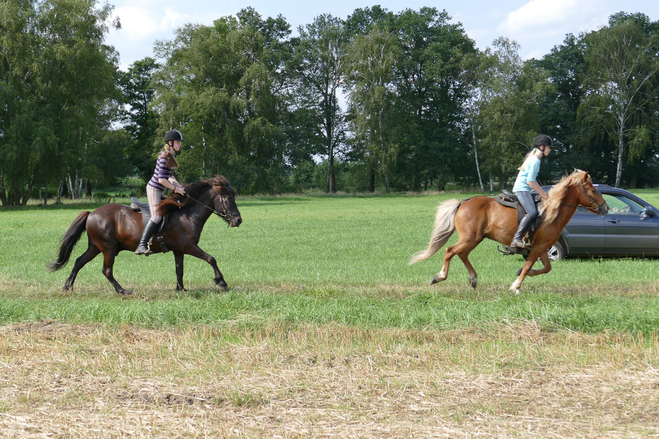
[[512, 380]]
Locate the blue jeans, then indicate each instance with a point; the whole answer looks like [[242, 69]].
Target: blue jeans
[[526, 199]]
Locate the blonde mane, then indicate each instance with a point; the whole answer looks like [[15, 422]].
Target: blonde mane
[[550, 207]]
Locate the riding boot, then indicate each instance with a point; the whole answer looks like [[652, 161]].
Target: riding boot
[[518, 239], [149, 229]]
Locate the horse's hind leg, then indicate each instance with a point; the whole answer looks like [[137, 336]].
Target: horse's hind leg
[[462, 248], [108, 263], [473, 277], [91, 252]]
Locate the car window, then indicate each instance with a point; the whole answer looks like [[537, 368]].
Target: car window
[[621, 205]]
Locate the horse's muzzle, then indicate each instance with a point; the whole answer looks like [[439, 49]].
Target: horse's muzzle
[[603, 209], [235, 221]]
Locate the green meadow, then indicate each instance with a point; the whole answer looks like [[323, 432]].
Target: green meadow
[[318, 260], [326, 330]]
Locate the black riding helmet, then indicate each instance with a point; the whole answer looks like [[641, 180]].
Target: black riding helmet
[[173, 135], [541, 141]]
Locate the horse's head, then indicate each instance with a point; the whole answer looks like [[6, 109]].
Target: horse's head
[[589, 197], [225, 201]]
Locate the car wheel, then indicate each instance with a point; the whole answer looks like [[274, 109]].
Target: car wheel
[[556, 252]]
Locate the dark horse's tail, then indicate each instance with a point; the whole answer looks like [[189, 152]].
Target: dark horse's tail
[[69, 240]]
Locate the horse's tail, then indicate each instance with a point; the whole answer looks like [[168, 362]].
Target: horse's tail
[[69, 240], [444, 228]]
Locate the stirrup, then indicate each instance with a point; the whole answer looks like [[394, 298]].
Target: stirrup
[[518, 248], [146, 252]]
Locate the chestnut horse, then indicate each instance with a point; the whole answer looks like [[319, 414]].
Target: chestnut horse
[[483, 217], [115, 227]]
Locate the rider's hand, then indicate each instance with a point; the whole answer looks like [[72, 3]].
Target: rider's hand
[[179, 190]]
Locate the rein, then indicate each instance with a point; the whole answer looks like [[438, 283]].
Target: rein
[[225, 214]]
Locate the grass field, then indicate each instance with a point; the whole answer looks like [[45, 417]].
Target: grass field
[[326, 331]]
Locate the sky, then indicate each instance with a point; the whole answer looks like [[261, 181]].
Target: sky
[[536, 25]]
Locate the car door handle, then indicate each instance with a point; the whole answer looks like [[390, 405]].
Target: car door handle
[[613, 220]]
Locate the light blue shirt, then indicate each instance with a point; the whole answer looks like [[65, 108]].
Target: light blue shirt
[[528, 173]]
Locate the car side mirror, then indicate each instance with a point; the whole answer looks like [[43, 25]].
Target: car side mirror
[[648, 212]]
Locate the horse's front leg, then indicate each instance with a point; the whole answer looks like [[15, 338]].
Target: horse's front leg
[[178, 259], [219, 279], [546, 265], [527, 268]]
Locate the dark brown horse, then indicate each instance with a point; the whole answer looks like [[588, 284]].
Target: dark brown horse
[[114, 227], [483, 217]]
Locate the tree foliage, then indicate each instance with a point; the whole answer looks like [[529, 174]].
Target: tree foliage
[[379, 100], [59, 86], [622, 69]]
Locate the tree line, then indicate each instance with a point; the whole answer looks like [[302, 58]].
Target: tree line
[[376, 101]]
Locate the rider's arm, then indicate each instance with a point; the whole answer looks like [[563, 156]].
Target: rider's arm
[[536, 187], [169, 185]]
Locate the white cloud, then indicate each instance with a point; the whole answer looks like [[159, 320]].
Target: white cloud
[[138, 23], [550, 17], [540, 25]]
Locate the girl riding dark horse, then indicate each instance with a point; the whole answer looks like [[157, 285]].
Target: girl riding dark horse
[[114, 227]]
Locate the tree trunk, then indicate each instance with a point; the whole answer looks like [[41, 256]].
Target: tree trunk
[[3, 196], [371, 184], [70, 186], [59, 191], [26, 197], [621, 148], [331, 184], [17, 196], [478, 167]]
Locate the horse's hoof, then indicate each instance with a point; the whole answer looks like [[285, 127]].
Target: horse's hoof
[[125, 292], [223, 288], [474, 283]]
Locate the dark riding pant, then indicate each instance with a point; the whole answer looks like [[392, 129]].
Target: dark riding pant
[[526, 200]]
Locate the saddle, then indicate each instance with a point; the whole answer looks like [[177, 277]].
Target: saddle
[[141, 206], [510, 200]]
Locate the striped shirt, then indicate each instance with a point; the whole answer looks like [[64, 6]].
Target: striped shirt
[[161, 171]]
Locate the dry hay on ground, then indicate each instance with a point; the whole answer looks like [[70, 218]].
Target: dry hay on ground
[[59, 380]]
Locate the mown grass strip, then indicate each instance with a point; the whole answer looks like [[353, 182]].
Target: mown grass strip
[[582, 313]]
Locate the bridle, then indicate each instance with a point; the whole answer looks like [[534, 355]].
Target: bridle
[[594, 205], [224, 214]]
